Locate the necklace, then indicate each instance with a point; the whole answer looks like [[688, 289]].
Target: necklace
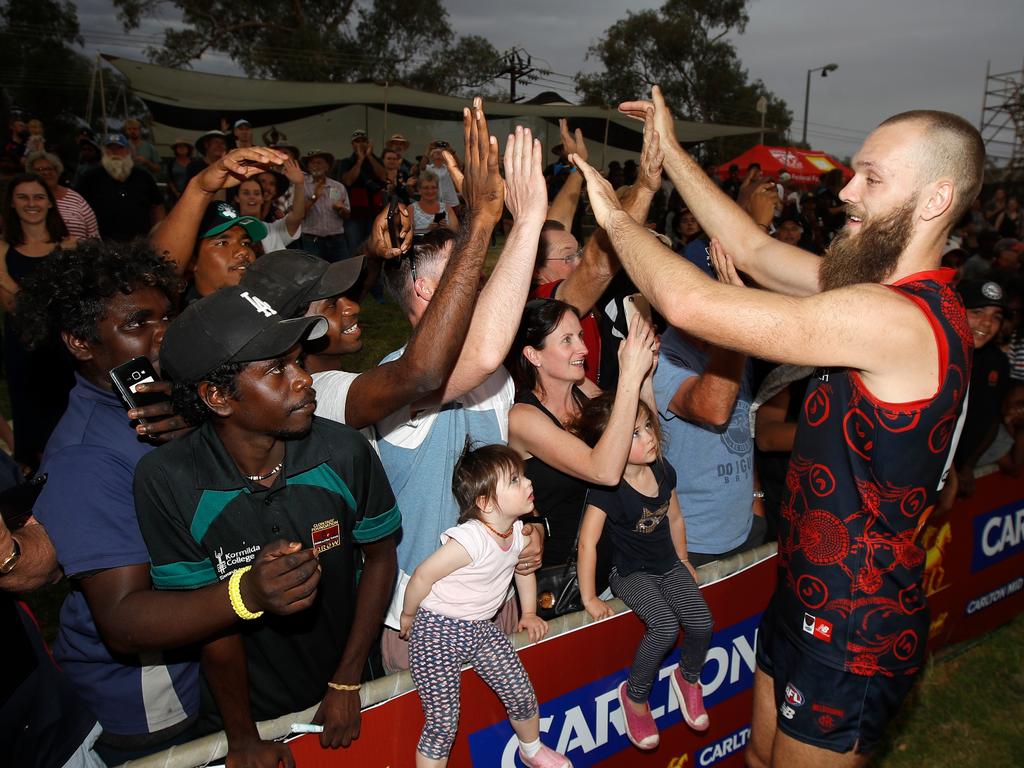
[[498, 533], [271, 473]]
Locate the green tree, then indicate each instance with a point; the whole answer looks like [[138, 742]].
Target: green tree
[[44, 74], [683, 47], [38, 66], [398, 41]]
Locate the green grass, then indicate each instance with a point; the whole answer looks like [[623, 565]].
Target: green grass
[[384, 330], [967, 710]]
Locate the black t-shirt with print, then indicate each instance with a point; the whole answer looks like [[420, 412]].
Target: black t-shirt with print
[[641, 537]]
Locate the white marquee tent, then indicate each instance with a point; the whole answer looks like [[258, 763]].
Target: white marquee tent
[[185, 104]]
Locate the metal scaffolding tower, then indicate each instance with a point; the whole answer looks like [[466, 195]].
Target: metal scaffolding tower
[[1002, 123]]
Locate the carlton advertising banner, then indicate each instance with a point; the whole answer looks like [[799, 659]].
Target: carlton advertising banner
[[974, 567], [974, 577], [576, 676]]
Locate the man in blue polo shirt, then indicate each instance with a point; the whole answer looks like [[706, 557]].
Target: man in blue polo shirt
[[261, 466], [109, 303]]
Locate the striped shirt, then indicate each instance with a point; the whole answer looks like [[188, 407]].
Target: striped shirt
[[321, 218], [77, 215], [1016, 355]]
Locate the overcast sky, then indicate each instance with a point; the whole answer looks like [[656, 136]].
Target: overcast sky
[[893, 55]]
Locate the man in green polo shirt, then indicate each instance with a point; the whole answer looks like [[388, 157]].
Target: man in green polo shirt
[[261, 467]]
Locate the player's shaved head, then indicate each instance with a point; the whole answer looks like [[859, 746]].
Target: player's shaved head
[[951, 149]]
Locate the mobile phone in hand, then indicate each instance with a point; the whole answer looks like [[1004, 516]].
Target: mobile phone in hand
[[128, 376], [440, 217], [636, 304]]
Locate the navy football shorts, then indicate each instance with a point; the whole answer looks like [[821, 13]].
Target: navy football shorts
[[823, 706]]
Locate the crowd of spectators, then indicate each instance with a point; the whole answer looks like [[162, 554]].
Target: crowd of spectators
[[238, 276]]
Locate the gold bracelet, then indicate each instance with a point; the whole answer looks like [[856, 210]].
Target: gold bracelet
[[235, 595], [343, 687]]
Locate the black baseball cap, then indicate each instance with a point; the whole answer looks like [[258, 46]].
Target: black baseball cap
[[232, 325], [221, 216], [290, 279], [982, 293]]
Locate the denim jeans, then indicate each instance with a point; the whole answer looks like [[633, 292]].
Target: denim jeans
[[330, 248]]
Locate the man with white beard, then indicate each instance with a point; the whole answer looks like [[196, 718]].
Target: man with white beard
[[126, 199]]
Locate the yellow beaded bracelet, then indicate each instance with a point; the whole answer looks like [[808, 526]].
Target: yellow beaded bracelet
[[343, 687], [235, 595]]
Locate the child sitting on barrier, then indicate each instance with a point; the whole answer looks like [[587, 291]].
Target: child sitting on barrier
[[452, 597], [651, 573]]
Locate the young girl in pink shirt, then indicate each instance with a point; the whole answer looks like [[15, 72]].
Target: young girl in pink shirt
[[454, 594]]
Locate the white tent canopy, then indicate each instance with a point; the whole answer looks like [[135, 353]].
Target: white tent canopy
[[185, 104]]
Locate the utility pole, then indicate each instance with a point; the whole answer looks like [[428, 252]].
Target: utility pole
[[517, 68]]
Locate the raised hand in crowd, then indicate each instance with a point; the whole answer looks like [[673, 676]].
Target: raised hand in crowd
[[572, 141], [237, 165], [481, 184], [652, 158], [293, 171], [639, 352], [563, 207], [525, 187], [453, 168], [380, 244], [603, 201], [758, 197], [774, 265], [725, 267], [657, 111]]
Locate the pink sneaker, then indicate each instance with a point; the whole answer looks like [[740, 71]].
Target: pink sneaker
[[546, 758], [691, 701], [640, 728]]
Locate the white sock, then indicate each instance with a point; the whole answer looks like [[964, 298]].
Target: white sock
[[530, 748]]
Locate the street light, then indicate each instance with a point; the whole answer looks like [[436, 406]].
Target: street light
[[807, 94]]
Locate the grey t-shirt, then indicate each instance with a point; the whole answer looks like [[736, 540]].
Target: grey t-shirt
[[715, 468]]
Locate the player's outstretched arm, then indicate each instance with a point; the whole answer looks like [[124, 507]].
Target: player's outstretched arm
[[869, 328], [773, 264]]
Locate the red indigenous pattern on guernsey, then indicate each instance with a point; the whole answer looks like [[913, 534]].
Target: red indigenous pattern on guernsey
[[863, 477]]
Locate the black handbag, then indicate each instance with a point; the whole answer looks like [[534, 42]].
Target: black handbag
[[558, 586]]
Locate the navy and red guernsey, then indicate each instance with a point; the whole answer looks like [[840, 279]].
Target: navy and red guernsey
[[863, 477]]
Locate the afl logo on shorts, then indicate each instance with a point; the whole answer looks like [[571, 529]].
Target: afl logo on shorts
[[793, 696]]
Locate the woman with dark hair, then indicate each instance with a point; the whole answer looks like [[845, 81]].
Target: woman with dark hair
[[251, 201], [39, 381], [548, 356]]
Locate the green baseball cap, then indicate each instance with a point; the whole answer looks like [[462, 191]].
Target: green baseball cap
[[221, 216]]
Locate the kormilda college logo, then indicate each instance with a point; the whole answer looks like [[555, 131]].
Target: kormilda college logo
[[227, 562]]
